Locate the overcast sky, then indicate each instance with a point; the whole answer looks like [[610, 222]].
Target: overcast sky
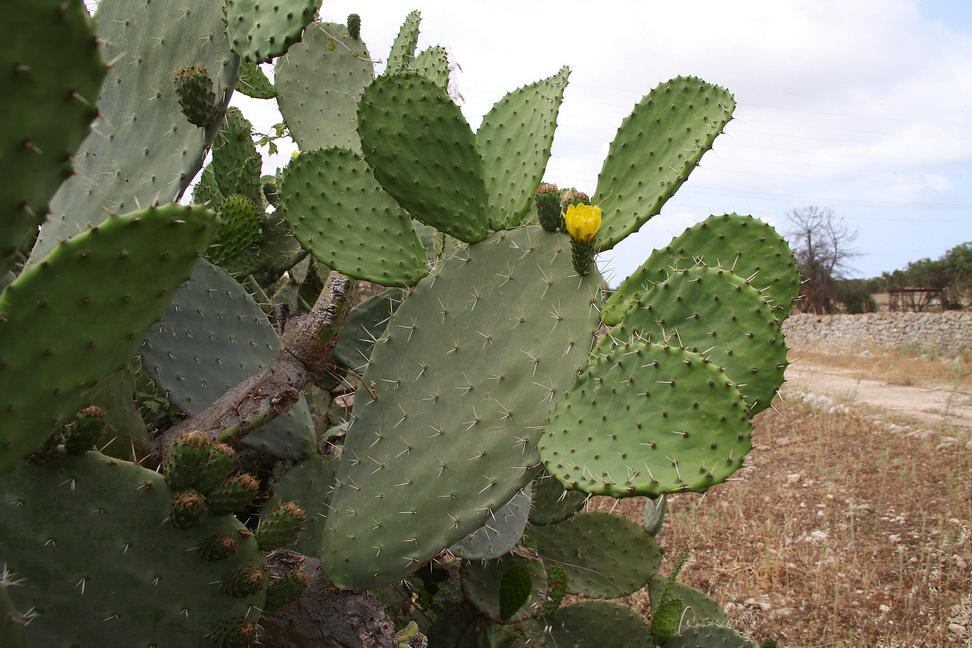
[[861, 106]]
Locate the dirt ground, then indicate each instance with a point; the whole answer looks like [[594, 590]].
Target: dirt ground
[[933, 405]]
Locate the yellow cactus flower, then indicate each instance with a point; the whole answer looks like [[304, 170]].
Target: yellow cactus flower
[[583, 221]]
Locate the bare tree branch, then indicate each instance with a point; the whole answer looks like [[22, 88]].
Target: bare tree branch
[[261, 398]]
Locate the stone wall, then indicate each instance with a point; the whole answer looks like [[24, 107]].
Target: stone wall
[[948, 333]]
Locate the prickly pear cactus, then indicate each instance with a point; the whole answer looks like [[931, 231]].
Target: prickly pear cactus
[[451, 436]]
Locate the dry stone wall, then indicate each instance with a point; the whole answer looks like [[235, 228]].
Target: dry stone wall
[[941, 334]]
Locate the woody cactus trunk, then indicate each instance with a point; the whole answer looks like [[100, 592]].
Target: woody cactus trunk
[[261, 455]]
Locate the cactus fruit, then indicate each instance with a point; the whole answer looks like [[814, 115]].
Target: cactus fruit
[[285, 590], [280, 526], [86, 430], [548, 207], [187, 509], [244, 581], [216, 547], [238, 632], [354, 26], [196, 96], [233, 495]]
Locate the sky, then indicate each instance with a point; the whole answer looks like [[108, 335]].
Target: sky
[[861, 106]]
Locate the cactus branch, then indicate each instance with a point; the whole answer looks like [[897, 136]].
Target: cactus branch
[[261, 398]]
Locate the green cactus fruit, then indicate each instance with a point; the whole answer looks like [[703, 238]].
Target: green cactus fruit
[[666, 618], [557, 580], [49, 103], [548, 207], [187, 509], [515, 588], [271, 191], [582, 256], [646, 419], [574, 197], [184, 466], [237, 632], [236, 164], [605, 555], [239, 229], [244, 581], [261, 31], [233, 495], [196, 96], [709, 635], [308, 483], [254, 83], [218, 546], [656, 148], [280, 527], [222, 462], [514, 140], [284, 590], [354, 26], [85, 431]]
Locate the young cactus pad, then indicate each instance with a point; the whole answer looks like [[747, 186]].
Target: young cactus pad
[[72, 319], [656, 148], [464, 375]]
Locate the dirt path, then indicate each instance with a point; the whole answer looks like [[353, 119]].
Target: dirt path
[[930, 406]]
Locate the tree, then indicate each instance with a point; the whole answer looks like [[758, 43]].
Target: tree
[[821, 244]]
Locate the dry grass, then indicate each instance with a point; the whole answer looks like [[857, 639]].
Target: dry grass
[[896, 367], [836, 534]]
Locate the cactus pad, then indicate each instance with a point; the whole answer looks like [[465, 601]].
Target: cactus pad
[[77, 316], [260, 31], [647, 419], [605, 555], [424, 153], [597, 623], [508, 589], [656, 148], [49, 102], [748, 247], [445, 444], [101, 564], [339, 212], [318, 86]]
